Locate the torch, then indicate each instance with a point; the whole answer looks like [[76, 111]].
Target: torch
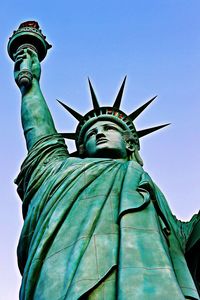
[[28, 35]]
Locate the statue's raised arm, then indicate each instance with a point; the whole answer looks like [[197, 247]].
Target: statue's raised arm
[[27, 47], [36, 117]]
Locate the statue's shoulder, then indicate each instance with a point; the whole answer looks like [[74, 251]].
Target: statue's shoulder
[[135, 165]]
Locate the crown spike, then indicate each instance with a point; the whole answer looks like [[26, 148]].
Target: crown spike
[[70, 135], [94, 98], [138, 111], [72, 112], [119, 95], [146, 131]]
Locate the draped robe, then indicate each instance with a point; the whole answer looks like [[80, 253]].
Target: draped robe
[[98, 229]]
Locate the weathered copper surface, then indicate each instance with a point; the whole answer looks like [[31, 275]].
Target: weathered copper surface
[[96, 227]]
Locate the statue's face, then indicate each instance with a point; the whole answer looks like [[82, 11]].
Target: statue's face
[[105, 139]]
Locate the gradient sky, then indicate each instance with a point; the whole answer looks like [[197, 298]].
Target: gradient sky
[[156, 44]]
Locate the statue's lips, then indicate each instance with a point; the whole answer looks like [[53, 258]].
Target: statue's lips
[[101, 141]]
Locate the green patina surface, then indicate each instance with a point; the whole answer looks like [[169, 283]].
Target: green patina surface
[[92, 225], [95, 228]]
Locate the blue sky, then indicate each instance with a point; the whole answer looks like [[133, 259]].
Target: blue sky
[[156, 44]]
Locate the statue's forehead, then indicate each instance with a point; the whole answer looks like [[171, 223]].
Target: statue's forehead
[[102, 123]]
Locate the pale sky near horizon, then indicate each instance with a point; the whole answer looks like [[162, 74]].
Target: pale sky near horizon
[[156, 44]]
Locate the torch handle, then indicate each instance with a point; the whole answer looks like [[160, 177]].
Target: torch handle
[[25, 75]]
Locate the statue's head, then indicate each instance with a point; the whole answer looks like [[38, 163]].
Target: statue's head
[[108, 131], [108, 139]]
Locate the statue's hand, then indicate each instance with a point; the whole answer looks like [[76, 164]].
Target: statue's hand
[[27, 59]]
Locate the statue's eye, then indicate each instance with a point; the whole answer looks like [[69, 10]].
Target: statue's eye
[[90, 134], [110, 127]]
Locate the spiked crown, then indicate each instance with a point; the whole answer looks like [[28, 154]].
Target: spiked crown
[[111, 113]]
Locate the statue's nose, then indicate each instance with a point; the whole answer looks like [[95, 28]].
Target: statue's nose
[[100, 134]]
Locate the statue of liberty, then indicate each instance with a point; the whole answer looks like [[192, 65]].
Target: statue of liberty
[[96, 226]]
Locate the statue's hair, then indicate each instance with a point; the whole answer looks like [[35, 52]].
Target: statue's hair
[[132, 150]]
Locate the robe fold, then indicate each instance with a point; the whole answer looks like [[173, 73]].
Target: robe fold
[[98, 229]]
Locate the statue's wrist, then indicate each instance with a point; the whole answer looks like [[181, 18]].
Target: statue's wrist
[[32, 88]]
